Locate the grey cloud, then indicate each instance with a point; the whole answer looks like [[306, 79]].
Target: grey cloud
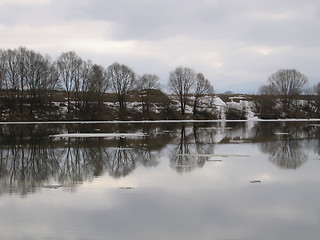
[[249, 21], [233, 31], [261, 21]]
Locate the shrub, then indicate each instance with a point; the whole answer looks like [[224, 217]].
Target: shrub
[[235, 114]]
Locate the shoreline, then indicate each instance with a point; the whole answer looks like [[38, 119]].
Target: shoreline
[[161, 121]]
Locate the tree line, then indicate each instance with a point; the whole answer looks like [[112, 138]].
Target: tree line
[[30, 82]]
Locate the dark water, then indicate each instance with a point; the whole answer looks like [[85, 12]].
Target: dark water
[[254, 180]]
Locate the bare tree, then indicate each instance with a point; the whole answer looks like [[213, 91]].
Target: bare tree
[[26, 77], [316, 90], [146, 83], [266, 90], [181, 81], [2, 71], [2, 81], [99, 81], [23, 65], [10, 77], [122, 80], [95, 85], [288, 83], [202, 90], [69, 67], [36, 77]]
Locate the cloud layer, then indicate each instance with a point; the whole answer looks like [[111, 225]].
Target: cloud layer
[[235, 44]]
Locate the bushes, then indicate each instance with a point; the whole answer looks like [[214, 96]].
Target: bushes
[[235, 114]]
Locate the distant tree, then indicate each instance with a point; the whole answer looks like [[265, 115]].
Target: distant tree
[[203, 89], [181, 81], [95, 85], [99, 81], [38, 77], [266, 103], [53, 83], [23, 66], [26, 77], [316, 90], [228, 93], [2, 71], [146, 83], [69, 67], [10, 77], [2, 81], [287, 83], [266, 90], [122, 80]]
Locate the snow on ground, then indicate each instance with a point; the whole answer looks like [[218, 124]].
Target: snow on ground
[[218, 102], [211, 104]]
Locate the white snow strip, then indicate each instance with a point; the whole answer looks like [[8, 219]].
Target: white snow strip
[[238, 141], [121, 149], [213, 155], [315, 125], [97, 135], [215, 128]]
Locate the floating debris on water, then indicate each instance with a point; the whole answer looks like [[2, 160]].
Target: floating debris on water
[[126, 188], [120, 148], [214, 160], [52, 186], [281, 133], [255, 181], [167, 131], [238, 141], [97, 135]]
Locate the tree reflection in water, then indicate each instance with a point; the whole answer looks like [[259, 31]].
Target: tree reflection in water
[[286, 150], [24, 168], [286, 154], [191, 149], [180, 158], [26, 165], [122, 159], [30, 160]]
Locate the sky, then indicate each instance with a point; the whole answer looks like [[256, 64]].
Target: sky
[[236, 44]]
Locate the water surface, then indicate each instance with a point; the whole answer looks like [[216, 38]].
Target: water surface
[[246, 180]]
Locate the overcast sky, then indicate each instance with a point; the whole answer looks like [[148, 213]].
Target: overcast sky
[[236, 44]]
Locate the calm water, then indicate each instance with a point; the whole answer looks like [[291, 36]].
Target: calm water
[[182, 181]]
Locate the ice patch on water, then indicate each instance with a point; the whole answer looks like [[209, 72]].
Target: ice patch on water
[[97, 135], [212, 155]]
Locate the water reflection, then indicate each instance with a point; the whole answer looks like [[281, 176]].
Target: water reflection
[[29, 159], [123, 159], [286, 154], [193, 148], [180, 158], [284, 142], [28, 163], [23, 168]]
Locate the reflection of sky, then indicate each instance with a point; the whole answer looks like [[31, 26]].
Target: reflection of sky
[[213, 202]]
